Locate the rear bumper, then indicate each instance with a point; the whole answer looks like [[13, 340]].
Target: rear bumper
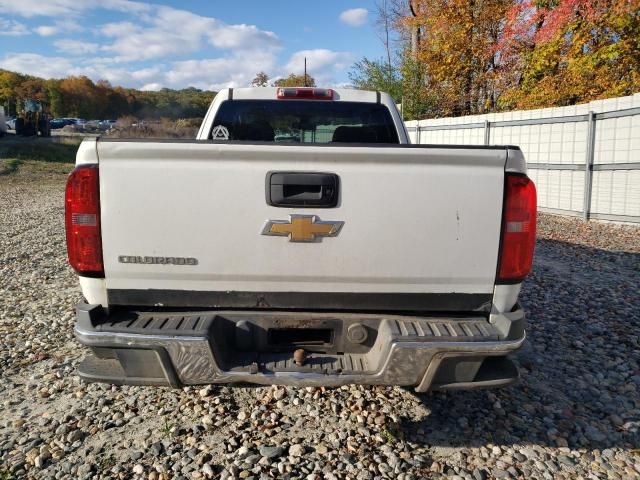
[[193, 348]]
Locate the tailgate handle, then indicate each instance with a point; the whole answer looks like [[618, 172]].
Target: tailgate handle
[[302, 189]]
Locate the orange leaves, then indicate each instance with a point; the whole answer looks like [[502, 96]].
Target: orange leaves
[[458, 49], [580, 50], [81, 97], [31, 89], [481, 56]]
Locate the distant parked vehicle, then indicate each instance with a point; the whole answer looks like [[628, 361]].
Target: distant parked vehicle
[[79, 122], [107, 124], [286, 138], [57, 123], [11, 123]]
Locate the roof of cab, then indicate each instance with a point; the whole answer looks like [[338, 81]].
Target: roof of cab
[[269, 93]]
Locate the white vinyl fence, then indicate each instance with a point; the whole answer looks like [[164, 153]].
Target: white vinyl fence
[[584, 159]]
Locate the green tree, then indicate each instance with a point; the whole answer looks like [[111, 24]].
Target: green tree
[[261, 80], [56, 104], [117, 104], [81, 97], [9, 82], [294, 80], [377, 75], [417, 101]]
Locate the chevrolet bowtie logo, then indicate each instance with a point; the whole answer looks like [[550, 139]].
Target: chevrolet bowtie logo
[[302, 228]]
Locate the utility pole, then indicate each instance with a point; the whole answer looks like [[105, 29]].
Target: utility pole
[[415, 32], [305, 71]]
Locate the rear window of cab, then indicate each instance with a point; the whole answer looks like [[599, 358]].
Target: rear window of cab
[[303, 121]]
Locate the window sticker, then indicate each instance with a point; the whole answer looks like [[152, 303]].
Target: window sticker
[[220, 132]]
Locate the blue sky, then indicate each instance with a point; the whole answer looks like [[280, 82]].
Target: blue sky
[[176, 44]]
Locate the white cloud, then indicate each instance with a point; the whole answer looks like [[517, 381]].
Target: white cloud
[[76, 47], [151, 87], [123, 76], [354, 17], [11, 28], [60, 67], [38, 65], [32, 8], [164, 38], [242, 37], [65, 8], [322, 64], [208, 74], [162, 33], [117, 29], [46, 30], [134, 42], [148, 75], [65, 26], [217, 73]]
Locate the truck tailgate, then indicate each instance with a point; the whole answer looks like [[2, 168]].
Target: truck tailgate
[[423, 222]]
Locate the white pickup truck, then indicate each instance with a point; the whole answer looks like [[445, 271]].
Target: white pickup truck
[[300, 240]]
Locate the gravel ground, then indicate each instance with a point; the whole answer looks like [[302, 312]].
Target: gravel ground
[[575, 414]]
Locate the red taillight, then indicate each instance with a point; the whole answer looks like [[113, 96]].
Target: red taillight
[[305, 93], [82, 219], [518, 229]]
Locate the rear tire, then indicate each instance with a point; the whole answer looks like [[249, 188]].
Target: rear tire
[[45, 129], [19, 126]]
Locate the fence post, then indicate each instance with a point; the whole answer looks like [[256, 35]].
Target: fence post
[[588, 165], [487, 132], [418, 139]]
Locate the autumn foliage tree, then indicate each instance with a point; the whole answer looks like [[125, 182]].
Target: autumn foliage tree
[[458, 52], [9, 81], [479, 56], [569, 51], [79, 96]]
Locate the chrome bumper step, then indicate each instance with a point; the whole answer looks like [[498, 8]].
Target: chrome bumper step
[[178, 348]]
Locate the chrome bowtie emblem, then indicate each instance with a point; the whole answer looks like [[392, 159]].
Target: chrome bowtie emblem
[[302, 228]]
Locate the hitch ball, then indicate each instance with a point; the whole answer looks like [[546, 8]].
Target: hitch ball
[[299, 356]]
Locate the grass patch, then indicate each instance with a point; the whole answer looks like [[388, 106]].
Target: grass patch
[[388, 437], [393, 433], [7, 167], [166, 429], [131, 127], [43, 150], [106, 463]]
